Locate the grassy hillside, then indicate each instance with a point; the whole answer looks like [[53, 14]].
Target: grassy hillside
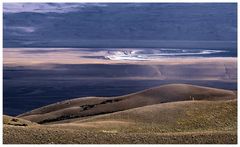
[[188, 116], [8, 120], [176, 122], [84, 107], [45, 135]]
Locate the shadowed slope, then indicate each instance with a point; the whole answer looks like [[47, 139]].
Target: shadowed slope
[[13, 121], [82, 107]]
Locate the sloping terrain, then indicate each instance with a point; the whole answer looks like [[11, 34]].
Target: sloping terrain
[[175, 122], [9, 120], [187, 116], [85, 107]]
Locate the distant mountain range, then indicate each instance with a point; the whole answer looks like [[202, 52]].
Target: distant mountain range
[[118, 25]]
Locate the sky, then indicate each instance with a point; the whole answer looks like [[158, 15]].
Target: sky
[[118, 25]]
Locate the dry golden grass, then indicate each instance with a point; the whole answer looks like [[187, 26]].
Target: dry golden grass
[[45, 135], [83, 107], [161, 115], [8, 120], [187, 116], [176, 122]]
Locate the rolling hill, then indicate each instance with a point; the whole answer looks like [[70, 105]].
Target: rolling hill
[[175, 113], [176, 122], [89, 106]]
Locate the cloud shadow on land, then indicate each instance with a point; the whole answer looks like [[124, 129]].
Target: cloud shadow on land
[[195, 71], [26, 88]]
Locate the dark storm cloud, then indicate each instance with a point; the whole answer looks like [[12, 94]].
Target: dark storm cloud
[[116, 25]]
